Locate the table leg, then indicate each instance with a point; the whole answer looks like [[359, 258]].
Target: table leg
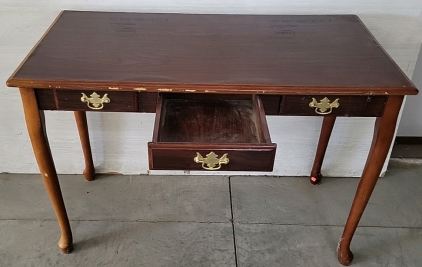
[[326, 129], [37, 134], [82, 125], [381, 142]]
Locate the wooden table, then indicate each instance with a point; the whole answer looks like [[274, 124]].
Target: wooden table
[[211, 79]]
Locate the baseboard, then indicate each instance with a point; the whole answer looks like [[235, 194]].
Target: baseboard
[[408, 140]]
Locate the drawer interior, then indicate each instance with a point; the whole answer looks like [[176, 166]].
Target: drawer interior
[[201, 119], [189, 126], [208, 121]]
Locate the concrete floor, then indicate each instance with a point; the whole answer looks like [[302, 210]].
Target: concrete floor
[[211, 221]]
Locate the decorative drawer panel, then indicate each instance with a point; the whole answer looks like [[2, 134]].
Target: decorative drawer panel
[[199, 132], [147, 102], [362, 106], [45, 99], [271, 104], [96, 101]]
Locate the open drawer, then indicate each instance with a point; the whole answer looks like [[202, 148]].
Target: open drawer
[[211, 132]]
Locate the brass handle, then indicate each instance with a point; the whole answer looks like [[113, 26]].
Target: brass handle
[[94, 101], [211, 161], [324, 106]]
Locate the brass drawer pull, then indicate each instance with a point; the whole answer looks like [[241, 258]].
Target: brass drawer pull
[[211, 161], [94, 101], [324, 107]]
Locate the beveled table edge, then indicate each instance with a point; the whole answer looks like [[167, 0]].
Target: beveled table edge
[[214, 88]]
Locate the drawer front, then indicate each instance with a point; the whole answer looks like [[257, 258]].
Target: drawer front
[[184, 157], [96, 101], [362, 106]]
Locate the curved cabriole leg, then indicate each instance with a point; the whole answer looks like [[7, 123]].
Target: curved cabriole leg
[[383, 136], [36, 129], [326, 129], [82, 125]]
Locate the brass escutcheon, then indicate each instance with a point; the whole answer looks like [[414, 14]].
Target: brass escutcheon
[[94, 101], [324, 107], [211, 160]]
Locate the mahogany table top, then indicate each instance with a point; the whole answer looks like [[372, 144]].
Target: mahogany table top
[[266, 54]]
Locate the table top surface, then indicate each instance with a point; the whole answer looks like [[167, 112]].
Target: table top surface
[[211, 53]]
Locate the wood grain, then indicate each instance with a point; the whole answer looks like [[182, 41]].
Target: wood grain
[[221, 53], [147, 102], [119, 101], [82, 124], [271, 104], [351, 106], [45, 99], [383, 136], [243, 157], [37, 134], [324, 138], [208, 121], [124, 101], [222, 124]]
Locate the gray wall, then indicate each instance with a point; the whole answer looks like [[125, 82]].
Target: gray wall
[[119, 140], [411, 121]]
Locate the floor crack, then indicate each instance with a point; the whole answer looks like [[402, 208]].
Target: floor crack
[[232, 221]]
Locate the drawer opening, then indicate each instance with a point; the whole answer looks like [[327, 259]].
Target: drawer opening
[[210, 121], [188, 124]]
